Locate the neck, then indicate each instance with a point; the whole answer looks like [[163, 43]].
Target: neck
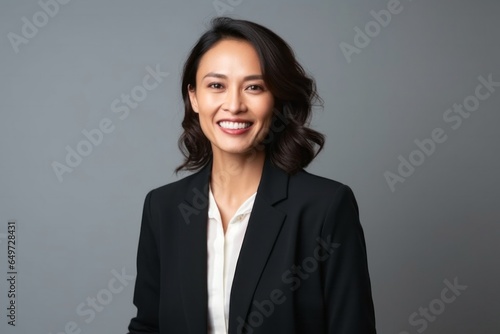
[[236, 175]]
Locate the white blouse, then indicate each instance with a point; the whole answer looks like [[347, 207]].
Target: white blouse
[[223, 251]]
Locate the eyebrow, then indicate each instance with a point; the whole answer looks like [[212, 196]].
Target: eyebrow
[[223, 76]]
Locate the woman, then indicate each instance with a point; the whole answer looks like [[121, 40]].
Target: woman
[[250, 243]]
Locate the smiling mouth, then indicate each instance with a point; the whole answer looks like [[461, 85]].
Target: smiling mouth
[[234, 125]]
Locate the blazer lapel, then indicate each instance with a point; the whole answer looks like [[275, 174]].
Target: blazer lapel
[[193, 252], [263, 228]]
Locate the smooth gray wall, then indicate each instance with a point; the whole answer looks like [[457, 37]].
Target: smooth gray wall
[[77, 233]]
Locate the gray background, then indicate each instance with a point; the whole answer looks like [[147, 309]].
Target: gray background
[[440, 224]]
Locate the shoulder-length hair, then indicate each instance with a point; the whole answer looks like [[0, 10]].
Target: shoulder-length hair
[[290, 143]]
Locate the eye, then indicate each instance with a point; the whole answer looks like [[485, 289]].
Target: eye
[[215, 85], [255, 88]]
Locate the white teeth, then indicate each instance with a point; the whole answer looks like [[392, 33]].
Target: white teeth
[[234, 125]]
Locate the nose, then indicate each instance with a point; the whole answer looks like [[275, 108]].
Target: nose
[[234, 102]]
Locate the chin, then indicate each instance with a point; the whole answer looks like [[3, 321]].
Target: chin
[[237, 151], [240, 150]]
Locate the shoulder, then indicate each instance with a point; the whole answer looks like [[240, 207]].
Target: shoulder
[[178, 190], [314, 184], [317, 191]]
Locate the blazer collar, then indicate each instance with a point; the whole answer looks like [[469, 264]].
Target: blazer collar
[[263, 228], [193, 251], [273, 186], [262, 231]]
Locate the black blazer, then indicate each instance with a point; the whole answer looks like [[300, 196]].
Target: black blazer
[[302, 267]]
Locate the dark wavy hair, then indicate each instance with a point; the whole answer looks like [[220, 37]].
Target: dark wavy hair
[[290, 143]]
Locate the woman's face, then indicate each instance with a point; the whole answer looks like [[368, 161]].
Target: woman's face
[[234, 105]]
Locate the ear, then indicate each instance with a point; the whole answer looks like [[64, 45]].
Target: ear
[[192, 98]]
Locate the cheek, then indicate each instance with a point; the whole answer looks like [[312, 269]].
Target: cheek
[[265, 109], [210, 101], [206, 108], [266, 120], [204, 123], [268, 116]]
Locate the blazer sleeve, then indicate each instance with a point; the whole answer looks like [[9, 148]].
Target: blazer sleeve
[[347, 289], [147, 284]]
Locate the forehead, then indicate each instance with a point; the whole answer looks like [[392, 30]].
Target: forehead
[[231, 56]]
